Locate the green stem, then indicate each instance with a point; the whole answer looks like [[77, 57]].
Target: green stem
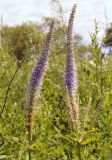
[[101, 78], [8, 89], [79, 152], [29, 154]]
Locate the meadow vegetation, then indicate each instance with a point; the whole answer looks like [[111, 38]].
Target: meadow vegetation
[[53, 134]]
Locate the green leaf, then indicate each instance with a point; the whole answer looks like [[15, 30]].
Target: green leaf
[[87, 138], [3, 156]]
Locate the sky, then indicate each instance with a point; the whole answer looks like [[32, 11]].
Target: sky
[[18, 11]]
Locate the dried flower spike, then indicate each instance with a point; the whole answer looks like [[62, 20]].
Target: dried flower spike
[[71, 73], [37, 77]]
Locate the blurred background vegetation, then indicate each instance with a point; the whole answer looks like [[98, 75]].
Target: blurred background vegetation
[[53, 135]]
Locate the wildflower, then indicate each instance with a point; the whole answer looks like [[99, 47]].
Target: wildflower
[[38, 72], [71, 73], [37, 77]]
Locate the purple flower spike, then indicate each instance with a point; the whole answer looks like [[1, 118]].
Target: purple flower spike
[[71, 73], [37, 79], [38, 72]]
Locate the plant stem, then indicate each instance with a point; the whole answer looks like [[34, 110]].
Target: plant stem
[[8, 89], [29, 154], [79, 152], [30, 125]]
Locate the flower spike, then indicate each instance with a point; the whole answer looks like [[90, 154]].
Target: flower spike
[[71, 73]]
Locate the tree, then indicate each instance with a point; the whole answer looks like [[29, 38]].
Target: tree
[[107, 40], [22, 40]]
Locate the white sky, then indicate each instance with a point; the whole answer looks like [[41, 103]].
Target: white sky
[[18, 11]]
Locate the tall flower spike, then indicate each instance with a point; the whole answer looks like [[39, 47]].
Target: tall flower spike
[[71, 73], [37, 78]]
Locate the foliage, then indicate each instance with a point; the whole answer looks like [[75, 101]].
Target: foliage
[[22, 40], [53, 135], [107, 40]]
